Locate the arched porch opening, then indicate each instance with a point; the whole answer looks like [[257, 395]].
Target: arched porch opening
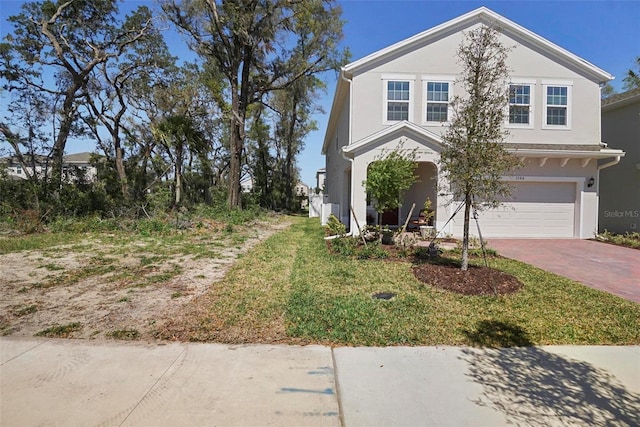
[[425, 188]]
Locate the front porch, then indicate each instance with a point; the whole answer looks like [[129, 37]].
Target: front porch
[[363, 153], [423, 190]]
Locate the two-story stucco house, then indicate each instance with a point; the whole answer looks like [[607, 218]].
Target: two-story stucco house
[[402, 93], [72, 166]]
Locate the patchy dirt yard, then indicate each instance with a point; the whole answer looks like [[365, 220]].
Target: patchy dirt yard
[[116, 285]]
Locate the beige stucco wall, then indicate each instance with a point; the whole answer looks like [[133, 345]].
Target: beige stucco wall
[[438, 58], [335, 162], [619, 209]]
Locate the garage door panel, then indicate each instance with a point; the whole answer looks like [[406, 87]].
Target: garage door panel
[[536, 209]]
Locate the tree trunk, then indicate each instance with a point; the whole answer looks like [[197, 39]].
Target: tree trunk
[[235, 166], [60, 143], [122, 175], [235, 146], [178, 180], [465, 235], [289, 185]]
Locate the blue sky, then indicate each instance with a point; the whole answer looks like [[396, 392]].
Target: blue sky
[[605, 33]]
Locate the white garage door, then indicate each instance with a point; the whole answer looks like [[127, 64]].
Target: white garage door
[[535, 209]]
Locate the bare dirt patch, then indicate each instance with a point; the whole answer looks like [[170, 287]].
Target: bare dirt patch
[[96, 290]]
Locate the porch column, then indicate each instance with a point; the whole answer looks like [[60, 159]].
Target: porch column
[[358, 195]]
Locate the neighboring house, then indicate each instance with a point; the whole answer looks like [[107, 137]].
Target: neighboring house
[[321, 176], [302, 189], [72, 166], [402, 93], [16, 170], [246, 184], [302, 192], [80, 163], [619, 190], [316, 199]]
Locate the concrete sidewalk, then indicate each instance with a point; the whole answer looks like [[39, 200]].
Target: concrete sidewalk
[[85, 383]]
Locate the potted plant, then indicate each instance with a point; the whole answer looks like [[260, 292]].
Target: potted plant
[[387, 235], [426, 219]]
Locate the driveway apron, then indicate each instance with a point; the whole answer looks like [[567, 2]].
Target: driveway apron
[[598, 265]]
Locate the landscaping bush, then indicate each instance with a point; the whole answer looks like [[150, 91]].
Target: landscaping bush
[[345, 246], [335, 227], [373, 250], [630, 240]]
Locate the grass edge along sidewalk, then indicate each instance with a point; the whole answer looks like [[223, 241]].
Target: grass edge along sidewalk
[[290, 289]]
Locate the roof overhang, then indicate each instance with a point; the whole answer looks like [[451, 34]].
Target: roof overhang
[[585, 156], [621, 100], [574, 154], [338, 97]]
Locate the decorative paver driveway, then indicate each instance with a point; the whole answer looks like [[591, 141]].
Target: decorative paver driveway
[[599, 265]]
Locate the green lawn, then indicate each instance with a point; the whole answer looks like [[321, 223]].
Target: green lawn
[[290, 289]]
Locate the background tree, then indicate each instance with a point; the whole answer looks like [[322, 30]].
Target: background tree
[[254, 44], [260, 160], [388, 177], [632, 78], [109, 94], [473, 158], [178, 134], [607, 90], [55, 37]]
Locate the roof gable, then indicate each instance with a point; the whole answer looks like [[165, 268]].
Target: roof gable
[[488, 17], [480, 15], [403, 128]]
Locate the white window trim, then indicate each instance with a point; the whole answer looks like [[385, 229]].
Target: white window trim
[[436, 78], [532, 90], [397, 78], [569, 85]]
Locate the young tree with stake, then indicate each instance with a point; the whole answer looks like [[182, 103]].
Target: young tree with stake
[[474, 158]]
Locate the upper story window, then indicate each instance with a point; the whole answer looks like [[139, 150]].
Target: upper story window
[[398, 98], [521, 105], [437, 101], [19, 170], [437, 98], [557, 105]]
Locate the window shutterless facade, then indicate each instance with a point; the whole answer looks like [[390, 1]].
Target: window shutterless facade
[[557, 105], [398, 98], [437, 98], [521, 104], [437, 101]]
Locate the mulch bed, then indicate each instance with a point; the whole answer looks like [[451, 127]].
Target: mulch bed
[[475, 281], [445, 273]]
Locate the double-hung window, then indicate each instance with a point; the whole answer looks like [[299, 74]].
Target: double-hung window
[[437, 101], [397, 100], [521, 104], [437, 98], [557, 105], [398, 97]]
